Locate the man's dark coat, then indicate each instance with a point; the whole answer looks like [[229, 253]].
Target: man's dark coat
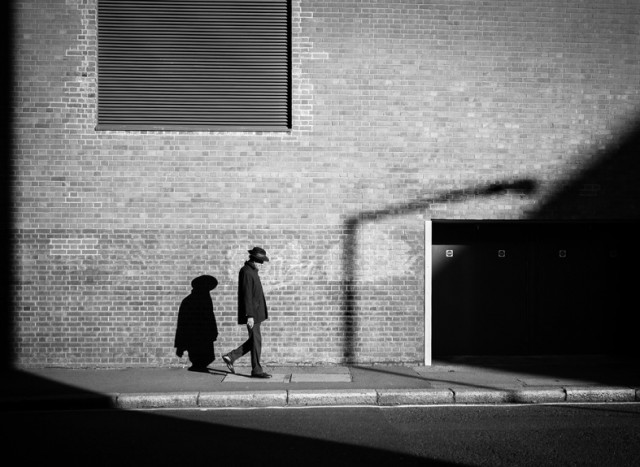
[[251, 301]]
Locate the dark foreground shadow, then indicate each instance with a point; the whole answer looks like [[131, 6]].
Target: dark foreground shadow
[[71, 428], [137, 438], [23, 391]]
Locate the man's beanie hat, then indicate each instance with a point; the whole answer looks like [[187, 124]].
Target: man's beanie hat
[[258, 254]]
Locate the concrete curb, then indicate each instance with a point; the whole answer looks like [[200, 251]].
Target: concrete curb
[[305, 398], [415, 396], [383, 397], [157, 401], [243, 399], [509, 396], [586, 394], [322, 397]]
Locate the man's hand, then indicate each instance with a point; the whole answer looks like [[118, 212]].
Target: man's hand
[[250, 323]]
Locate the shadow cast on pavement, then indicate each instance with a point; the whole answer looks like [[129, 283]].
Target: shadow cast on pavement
[[98, 434]]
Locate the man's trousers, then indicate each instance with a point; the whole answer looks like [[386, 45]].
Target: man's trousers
[[254, 345]]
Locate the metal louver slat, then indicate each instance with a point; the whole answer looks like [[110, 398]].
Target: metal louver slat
[[194, 65]]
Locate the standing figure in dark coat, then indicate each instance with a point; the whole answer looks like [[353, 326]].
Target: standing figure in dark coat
[[252, 311], [197, 328]]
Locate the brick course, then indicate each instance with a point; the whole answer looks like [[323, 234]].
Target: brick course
[[402, 111]]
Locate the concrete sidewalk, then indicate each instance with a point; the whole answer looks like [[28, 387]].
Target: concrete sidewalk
[[525, 380]]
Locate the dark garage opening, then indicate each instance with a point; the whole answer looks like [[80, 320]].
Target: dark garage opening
[[533, 287]]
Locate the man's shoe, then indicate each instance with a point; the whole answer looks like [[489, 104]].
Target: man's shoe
[[227, 360], [261, 375]]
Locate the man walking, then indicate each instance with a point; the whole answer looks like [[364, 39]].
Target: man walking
[[252, 311]]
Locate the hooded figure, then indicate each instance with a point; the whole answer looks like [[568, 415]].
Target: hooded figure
[[197, 328]]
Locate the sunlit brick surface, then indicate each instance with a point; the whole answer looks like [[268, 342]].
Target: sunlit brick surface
[[402, 111]]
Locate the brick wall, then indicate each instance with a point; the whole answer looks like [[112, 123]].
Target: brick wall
[[402, 111]]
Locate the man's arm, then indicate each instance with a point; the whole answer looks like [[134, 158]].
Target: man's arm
[[246, 284]]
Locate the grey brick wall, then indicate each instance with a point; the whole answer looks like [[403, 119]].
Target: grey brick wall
[[402, 111]]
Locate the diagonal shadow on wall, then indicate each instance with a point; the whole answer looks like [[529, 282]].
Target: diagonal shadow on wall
[[605, 195], [350, 319], [608, 189], [607, 192]]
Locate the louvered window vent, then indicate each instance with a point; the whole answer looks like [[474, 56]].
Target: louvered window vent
[[194, 65]]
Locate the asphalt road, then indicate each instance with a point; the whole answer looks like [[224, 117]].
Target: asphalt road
[[522, 435]]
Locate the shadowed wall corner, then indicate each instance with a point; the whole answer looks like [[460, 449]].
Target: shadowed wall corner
[[6, 182]]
